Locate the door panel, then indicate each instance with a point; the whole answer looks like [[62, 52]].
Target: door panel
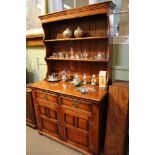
[[77, 137], [49, 126], [52, 114], [49, 120], [77, 127], [42, 110], [77, 120], [69, 119], [83, 124]]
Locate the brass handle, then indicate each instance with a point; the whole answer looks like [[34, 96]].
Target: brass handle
[[74, 104], [46, 98]]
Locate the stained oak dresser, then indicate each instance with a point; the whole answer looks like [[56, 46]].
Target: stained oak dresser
[[62, 113]]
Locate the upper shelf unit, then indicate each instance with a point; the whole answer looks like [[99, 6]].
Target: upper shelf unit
[[94, 20]]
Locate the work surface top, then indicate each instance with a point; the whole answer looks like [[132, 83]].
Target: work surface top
[[68, 89]]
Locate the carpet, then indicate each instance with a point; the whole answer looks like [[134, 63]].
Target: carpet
[[42, 145]]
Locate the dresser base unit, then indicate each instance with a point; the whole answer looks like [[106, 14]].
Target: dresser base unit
[[76, 120]]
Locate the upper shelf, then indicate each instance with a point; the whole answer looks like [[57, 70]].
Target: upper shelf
[[69, 39]]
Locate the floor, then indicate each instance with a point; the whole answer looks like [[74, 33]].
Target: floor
[[42, 145]]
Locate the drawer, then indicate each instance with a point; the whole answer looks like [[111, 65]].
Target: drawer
[[47, 96], [82, 105]]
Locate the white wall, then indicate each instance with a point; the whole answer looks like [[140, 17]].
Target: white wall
[[36, 65]]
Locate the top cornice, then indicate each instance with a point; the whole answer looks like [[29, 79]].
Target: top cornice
[[97, 8]]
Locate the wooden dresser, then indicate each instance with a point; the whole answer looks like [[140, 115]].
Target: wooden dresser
[[117, 119], [62, 113]]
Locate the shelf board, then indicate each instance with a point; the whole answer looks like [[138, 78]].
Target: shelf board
[[34, 39], [70, 39], [85, 60]]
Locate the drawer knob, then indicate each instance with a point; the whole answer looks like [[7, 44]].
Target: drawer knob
[[46, 97], [74, 104]]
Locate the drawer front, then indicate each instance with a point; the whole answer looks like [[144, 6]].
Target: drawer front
[[82, 105], [47, 97]]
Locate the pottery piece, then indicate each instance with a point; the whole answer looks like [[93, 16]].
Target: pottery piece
[[67, 33], [78, 33]]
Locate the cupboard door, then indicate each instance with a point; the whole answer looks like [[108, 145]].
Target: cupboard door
[[47, 110], [77, 127], [49, 119]]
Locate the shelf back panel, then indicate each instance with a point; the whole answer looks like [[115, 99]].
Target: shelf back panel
[[95, 25], [80, 68], [92, 47]]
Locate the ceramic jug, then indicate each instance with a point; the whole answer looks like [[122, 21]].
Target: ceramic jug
[[78, 33], [67, 33]]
